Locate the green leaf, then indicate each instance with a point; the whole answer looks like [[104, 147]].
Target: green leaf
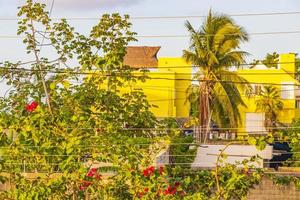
[[251, 141], [66, 84], [52, 86]]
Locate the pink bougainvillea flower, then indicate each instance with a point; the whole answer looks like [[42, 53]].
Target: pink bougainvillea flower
[[31, 107], [92, 172], [149, 171]]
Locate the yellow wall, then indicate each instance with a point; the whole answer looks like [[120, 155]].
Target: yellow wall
[[164, 90], [183, 75], [160, 92]]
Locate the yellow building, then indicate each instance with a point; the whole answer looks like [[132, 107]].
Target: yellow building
[[168, 80], [282, 77]]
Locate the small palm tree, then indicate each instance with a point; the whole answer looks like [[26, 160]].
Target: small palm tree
[[214, 48], [270, 103]]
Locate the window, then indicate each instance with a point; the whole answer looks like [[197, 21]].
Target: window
[[287, 90], [298, 104], [297, 92]]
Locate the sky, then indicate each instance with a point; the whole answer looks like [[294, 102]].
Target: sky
[[258, 46]]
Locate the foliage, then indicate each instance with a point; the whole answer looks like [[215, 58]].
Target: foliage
[[57, 121], [269, 102], [214, 49], [235, 183], [270, 60], [183, 150], [293, 136], [285, 180], [192, 94]]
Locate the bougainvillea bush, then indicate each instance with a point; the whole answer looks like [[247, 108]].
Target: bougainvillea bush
[[58, 120], [65, 121]]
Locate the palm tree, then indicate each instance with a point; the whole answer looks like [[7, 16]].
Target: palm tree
[[192, 94], [270, 103], [214, 48]]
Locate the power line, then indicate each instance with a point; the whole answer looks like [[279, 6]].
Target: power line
[[194, 66], [155, 78], [168, 17], [77, 155], [183, 129], [175, 163], [185, 36], [175, 36], [44, 37]]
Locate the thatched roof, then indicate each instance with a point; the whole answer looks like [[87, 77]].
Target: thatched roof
[[141, 57]]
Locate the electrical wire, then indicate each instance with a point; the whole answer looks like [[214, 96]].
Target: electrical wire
[[187, 163], [170, 155], [273, 71], [155, 78], [176, 36], [183, 129], [169, 17], [44, 37]]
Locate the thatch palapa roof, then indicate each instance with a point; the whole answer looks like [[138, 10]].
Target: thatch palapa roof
[[141, 56]]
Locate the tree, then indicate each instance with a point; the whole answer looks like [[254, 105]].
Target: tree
[[192, 94], [271, 60], [297, 66], [214, 49], [57, 122], [270, 103]]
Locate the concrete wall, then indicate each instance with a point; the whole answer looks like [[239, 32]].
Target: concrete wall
[[207, 155], [267, 190]]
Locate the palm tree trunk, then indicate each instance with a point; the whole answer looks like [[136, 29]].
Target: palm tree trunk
[[204, 112]]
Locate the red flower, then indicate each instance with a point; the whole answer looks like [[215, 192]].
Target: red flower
[[173, 191], [146, 190], [170, 190], [32, 106], [177, 184], [92, 172], [149, 171], [161, 170], [81, 188], [98, 177], [182, 193], [84, 185], [141, 194]]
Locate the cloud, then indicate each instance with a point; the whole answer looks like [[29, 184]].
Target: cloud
[[91, 4]]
